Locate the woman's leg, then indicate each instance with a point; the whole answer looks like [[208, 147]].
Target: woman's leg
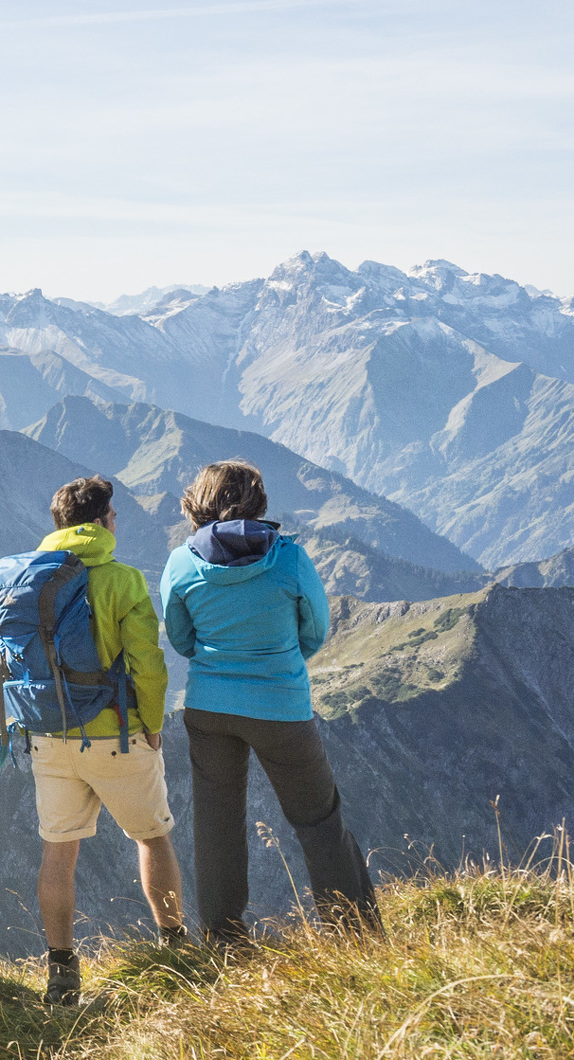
[[219, 763], [294, 759]]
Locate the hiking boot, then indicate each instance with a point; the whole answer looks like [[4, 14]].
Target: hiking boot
[[64, 983], [174, 938], [234, 940]]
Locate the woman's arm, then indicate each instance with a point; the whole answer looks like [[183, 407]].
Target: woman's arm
[[313, 606], [178, 622]]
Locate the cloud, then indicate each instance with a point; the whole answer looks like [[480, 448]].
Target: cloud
[[231, 7]]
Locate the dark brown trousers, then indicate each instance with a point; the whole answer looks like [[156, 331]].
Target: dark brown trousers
[[294, 759]]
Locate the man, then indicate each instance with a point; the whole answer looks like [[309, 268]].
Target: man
[[71, 783]]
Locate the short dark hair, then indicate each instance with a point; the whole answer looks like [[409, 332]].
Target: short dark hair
[[228, 489], [81, 501]]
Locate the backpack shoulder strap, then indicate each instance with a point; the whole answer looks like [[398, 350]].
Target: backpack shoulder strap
[[118, 676], [4, 673], [8, 752], [70, 568]]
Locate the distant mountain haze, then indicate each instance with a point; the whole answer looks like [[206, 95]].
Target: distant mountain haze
[[30, 474], [32, 382], [358, 541], [449, 393], [154, 452]]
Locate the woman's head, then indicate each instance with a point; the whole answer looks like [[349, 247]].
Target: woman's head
[[228, 489]]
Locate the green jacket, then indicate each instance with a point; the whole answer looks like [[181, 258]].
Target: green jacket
[[122, 617]]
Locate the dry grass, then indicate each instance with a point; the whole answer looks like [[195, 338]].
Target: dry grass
[[476, 964]]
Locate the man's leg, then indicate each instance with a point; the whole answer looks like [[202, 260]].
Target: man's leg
[[67, 811], [57, 903], [161, 880], [133, 789], [56, 892]]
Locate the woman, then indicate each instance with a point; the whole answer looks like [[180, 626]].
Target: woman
[[246, 606]]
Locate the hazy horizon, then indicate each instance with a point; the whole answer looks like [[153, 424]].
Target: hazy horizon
[[209, 142], [185, 284]]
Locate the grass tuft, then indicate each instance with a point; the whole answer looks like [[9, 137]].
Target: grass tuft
[[475, 964]]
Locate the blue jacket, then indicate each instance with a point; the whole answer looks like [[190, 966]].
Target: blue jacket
[[246, 607]]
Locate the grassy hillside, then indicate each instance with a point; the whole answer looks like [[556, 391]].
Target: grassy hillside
[[392, 652], [476, 964]]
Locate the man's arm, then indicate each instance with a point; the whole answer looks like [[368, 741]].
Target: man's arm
[[139, 632], [154, 739]]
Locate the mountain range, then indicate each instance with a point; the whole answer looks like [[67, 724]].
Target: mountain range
[[361, 544], [156, 454], [450, 393], [294, 355]]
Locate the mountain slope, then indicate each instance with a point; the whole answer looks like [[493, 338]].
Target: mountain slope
[[465, 699], [31, 382], [350, 567], [552, 572], [30, 474], [154, 452]]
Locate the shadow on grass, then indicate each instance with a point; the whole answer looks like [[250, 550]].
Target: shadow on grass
[[28, 1028], [126, 968], [31, 1030]]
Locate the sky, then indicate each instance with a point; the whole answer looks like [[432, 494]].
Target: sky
[[206, 142]]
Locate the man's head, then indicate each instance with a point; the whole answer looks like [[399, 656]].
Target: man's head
[[85, 500], [229, 489]]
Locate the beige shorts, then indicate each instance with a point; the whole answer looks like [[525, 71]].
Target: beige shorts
[[71, 786]]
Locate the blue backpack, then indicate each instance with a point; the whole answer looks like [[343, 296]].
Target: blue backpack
[[51, 677]]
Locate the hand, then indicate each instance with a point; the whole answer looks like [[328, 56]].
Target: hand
[[154, 740]]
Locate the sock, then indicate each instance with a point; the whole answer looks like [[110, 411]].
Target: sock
[[60, 956]]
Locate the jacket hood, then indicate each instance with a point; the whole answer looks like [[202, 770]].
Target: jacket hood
[[235, 550], [92, 543]]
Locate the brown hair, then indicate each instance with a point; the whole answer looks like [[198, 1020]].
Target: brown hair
[[228, 489], [81, 501]]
